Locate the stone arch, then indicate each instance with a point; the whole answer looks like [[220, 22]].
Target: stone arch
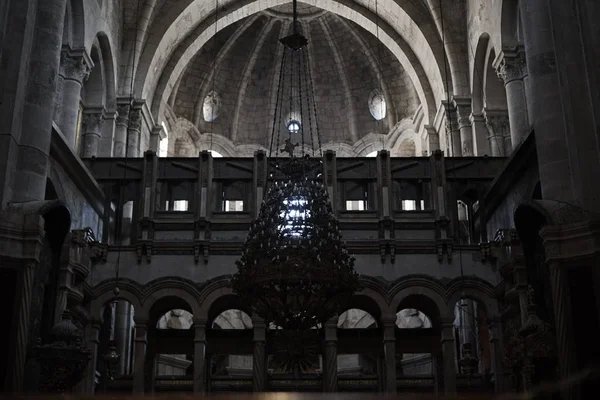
[[407, 148], [369, 143], [108, 66], [473, 289], [422, 64], [421, 293], [341, 149], [218, 143], [216, 295], [166, 294], [363, 301], [477, 75], [494, 94], [103, 294], [94, 89]]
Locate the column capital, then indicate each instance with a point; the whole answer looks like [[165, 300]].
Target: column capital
[[510, 64], [496, 121], [93, 120], [75, 64], [463, 111], [200, 322], [123, 114], [135, 118]]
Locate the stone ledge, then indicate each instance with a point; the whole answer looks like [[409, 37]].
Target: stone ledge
[[522, 157], [76, 170]]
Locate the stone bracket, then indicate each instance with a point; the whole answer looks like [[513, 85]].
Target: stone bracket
[[144, 248], [99, 252], [444, 248], [387, 247], [201, 247]]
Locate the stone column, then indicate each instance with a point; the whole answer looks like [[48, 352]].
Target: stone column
[[449, 356], [463, 108], [134, 132], [121, 129], [452, 132], [75, 66], [510, 66], [141, 341], [122, 335], [38, 105], [432, 139], [259, 356], [498, 128], [389, 349], [562, 320], [330, 378], [92, 335], [93, 122], [199, 355], [480, 135], [156, 135], [497, 353]]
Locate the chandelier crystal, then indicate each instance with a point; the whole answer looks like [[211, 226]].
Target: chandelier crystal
[[295, 271]]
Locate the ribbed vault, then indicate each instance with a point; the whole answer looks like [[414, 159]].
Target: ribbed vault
[[241, 65], [407, 29]]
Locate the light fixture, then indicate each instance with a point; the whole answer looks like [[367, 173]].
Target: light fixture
[[293, 126], [295, 271]]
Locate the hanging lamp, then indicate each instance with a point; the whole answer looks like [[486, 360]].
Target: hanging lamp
[[295, 271]]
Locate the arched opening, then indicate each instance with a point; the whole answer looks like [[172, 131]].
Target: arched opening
[[418, 345], [413, 364], [116, 334], [174, 364], [233, 362], [356, 362], [229, 345], [170, 348], [472, 341]]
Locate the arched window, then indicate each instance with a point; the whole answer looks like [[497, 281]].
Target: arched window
[[163, 145], [293, 126], [211, 107], [377, 105]]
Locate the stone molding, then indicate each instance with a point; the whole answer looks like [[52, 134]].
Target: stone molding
[[75, 64]]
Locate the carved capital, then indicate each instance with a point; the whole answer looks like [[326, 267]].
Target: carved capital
[[135, 119], [94, 121], [75, 65], [497, 123], [511, 67], [123, 114]]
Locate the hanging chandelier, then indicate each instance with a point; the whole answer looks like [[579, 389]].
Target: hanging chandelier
[[295, 271]]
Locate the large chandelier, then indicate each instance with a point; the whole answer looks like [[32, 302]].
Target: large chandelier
[[295, 271]]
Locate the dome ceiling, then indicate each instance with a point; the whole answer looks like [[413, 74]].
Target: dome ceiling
[[229, 88]]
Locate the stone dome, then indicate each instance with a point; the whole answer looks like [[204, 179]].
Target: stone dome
[[229, 88]]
